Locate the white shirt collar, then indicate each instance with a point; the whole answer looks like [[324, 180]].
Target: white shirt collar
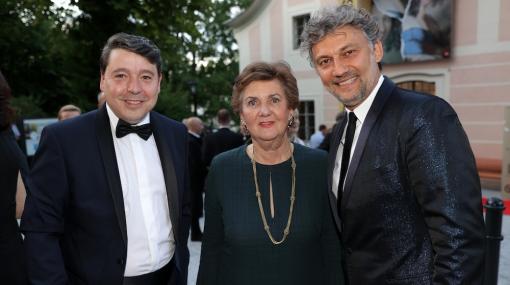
[[362, 110], [114, 119], [194, 134]]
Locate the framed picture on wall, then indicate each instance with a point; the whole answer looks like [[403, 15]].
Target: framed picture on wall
[[414, 30]]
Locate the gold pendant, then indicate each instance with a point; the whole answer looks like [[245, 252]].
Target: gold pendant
[[271, 200], [292, 197]]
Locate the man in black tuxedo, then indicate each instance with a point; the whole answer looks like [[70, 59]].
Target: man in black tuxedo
[[405, 192], [108, 199], [222, 140], [197, 173]]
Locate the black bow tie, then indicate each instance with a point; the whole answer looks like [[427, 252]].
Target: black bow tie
[[124, 128]]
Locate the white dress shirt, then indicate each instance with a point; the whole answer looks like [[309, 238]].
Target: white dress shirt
[[149, 229], [361, 113]]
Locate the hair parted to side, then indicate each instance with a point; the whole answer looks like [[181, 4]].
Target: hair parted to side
[[136, 44], [263, 71], [327, 19]]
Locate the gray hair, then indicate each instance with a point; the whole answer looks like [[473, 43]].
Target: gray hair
[[327, 19]]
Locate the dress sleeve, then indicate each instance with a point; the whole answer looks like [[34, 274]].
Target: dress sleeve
[[213, 238]]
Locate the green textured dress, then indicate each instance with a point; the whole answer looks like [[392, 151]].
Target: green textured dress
[[237, 250]]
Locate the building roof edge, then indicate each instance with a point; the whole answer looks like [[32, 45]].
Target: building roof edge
[[248, 15]]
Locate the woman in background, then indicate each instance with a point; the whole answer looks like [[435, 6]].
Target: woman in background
[[12, 195], [267, 214]]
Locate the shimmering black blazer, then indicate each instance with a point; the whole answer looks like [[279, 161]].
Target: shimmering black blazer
[[411, 209]]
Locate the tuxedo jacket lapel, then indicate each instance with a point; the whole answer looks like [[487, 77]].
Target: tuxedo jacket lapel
[[167, 164], [375, 110], [105, 143], [335, 143]]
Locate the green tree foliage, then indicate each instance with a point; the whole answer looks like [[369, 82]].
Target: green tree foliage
[[50, 56], [28, 57]]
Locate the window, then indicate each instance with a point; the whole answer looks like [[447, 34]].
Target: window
[[306, 119], [419, 86], [298, 24]]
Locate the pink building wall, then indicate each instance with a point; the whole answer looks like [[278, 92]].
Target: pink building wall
[[476, 79], [477, 76]]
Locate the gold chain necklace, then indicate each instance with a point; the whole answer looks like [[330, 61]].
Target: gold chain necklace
[[286, 231]]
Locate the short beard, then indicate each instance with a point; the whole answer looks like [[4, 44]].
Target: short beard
[[356, 100]]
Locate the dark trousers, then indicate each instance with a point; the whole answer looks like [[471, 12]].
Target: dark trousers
[[161, 276], [196, 213]]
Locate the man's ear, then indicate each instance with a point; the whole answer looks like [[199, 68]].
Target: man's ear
[[159, 83], [101, 81], [378, 51]]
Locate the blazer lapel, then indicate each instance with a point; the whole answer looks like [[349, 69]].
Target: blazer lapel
[[105, 143], [165, 155], [335, 143], [377, 105]]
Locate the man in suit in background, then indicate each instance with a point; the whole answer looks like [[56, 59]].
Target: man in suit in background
[[197, 173], [405, 192], [222, 140], [108, 199], [318, 137], [327, 138]]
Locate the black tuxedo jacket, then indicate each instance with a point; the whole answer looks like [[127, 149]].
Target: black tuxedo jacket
[[411, 209], [74, 220], [222, 140]]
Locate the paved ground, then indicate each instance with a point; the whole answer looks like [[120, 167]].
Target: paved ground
[[194, 251], [504, 262]]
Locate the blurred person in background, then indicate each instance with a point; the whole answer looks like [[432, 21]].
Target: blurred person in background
[[68, 112], [197, 173], [325, 144], [12, 195], [317, 138], [222, 140]]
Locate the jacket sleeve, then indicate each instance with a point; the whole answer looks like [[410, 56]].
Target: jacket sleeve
[[330, 244], [212, 243], [444, 178], [43, 218], [185, 221]]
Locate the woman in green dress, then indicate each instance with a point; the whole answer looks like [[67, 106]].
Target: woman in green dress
[[267, 216]]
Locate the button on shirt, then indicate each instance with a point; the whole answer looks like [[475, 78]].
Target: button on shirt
[[361, 113], [149, 229]]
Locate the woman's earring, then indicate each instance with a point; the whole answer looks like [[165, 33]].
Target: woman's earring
[[244, 127], [291, 122]]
